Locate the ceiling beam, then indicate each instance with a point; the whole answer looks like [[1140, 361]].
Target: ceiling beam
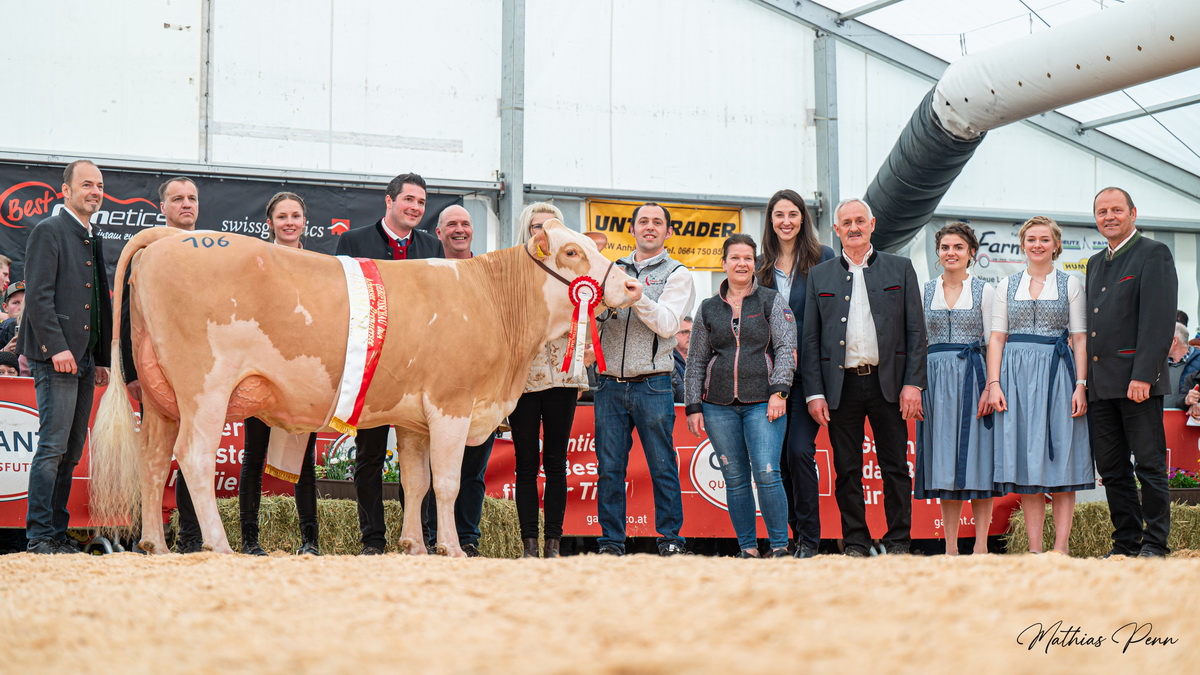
[[902, 55], [1135, 114], [852, 14]]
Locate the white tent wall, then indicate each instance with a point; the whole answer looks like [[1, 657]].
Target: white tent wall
[[691, 96], [369, 87], [91, 78]]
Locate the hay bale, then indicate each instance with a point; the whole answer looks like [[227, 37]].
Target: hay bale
[[1091, 530], [279, 526]]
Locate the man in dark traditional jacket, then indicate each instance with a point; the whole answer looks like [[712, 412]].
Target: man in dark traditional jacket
[[1131, 292]]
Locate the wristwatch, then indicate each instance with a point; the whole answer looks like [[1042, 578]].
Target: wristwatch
[[781, 395]]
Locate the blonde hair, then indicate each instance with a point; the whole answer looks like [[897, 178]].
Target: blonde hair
[[1055, 232], [527, 217]]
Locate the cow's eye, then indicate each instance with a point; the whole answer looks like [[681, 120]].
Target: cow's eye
[[572, 253]]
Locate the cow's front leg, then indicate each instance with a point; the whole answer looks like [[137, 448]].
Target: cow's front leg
[[157, 438], [447, 438], [196, 449], [413, 454]]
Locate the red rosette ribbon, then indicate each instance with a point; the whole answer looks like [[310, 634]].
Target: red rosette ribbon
[[584, 291]]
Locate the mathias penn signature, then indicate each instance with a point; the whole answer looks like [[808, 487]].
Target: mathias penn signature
[[1055, 635]]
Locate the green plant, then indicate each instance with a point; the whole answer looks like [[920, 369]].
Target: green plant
[[339, 462], [1182, 478]]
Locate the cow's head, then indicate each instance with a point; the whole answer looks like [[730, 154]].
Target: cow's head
[[571, 255]]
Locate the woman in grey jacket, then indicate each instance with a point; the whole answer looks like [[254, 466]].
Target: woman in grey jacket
[[739, 372]]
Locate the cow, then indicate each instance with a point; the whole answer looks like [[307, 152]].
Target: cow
[[225, 327]]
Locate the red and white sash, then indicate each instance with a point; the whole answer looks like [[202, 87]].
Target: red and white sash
[[364, 343]]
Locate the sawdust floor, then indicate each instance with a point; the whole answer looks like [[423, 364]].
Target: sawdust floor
[[589, 614]]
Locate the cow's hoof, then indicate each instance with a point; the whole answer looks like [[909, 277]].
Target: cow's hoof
[[450, 551], [411, 546], [150, 547]]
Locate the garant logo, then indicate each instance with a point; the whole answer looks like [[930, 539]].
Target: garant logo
[[340, 226], [25, 204], [705, 472], [18, 441]]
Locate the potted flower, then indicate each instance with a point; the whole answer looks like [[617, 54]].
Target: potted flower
[[1184, 484], [335, 474]]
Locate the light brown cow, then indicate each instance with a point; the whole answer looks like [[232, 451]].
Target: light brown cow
[[226, 327]]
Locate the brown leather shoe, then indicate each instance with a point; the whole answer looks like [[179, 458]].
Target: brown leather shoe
[[551, 548], [531, 548]]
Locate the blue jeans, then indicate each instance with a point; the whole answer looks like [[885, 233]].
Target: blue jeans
[[649, 407], [747, 443], [64, 406]]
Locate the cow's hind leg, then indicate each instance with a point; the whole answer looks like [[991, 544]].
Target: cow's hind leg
[[447, 439], [413, 451], [196, 449], [157, 438]]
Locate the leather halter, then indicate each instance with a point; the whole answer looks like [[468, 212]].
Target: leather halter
[[556, 275]]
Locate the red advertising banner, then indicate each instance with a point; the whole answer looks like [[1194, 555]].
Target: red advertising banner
[[705, 511], [704, 507]]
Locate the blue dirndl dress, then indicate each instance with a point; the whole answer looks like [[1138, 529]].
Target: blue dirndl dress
[[1039, 447], [954, 447]]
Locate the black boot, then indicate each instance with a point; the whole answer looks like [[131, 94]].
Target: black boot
[[531, 548], [250, 539], [308, 537], [551, 548]]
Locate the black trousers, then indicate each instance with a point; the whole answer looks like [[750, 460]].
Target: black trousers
[[371, 450], [258, 437], [1120, 428], [189, 524], [862, 399], [798, 469], [548, 413]]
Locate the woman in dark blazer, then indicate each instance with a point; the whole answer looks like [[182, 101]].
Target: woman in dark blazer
[[790, 250]]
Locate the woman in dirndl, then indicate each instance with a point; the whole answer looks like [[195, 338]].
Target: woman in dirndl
[[954, 442], [1036, 365]]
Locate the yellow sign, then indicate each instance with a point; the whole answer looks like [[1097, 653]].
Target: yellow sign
[[698, 232]]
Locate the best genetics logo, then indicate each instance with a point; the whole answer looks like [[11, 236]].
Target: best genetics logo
[[18, 440], [24, 204]]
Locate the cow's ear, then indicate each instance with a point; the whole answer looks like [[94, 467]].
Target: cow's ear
[[599, 237], [539, 244]]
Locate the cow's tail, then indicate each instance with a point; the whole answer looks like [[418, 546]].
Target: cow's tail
[[115, 485]]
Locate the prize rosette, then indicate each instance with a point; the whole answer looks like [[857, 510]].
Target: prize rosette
[[583, 292]]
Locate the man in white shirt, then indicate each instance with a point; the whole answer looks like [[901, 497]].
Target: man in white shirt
[[66, 331], [864, 346], [635, 391]]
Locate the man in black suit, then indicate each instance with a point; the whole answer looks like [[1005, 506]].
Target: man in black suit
[[864, 343], [66, 330], [1131, 292], [393, 237]]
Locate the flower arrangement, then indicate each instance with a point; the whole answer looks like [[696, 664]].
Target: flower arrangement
[[339, 462], [1182, 478]]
